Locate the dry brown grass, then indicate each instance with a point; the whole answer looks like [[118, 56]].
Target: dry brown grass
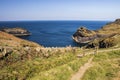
[[10, 40], [110, 29]]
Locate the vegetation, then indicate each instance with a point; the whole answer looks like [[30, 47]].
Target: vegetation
[[21, 60], [105, 42], [55, 67], [24, 60], [106, 66]]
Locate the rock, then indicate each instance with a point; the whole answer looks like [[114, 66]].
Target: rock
[[83, 35], [37, 49], [103, 37], [5, 52], [103, 43], [16, 31]]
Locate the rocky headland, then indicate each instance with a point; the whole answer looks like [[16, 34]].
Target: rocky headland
[[17, 31], [105, 37]]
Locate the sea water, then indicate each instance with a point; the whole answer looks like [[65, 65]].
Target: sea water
[[53, 33]]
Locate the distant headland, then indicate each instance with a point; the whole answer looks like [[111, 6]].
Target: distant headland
[[16, 31]]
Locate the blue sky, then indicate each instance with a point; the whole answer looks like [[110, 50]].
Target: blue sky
[[11, 10]]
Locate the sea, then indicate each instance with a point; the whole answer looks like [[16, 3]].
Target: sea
[[53, 33]]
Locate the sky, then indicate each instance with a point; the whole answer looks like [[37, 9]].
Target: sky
[[14, 10]]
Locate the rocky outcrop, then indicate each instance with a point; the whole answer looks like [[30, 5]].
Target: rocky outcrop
[[103, 37], [16, 31], [83, 35], [5, 51]]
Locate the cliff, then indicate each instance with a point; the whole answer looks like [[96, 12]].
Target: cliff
[[107, 36]]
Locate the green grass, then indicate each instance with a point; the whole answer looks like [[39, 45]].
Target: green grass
[[55, 67], [61, 66], [62, 72], [105, 67]]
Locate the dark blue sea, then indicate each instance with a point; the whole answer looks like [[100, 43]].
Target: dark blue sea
[[53, 33]]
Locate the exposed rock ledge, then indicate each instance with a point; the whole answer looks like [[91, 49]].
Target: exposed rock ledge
[[17, 31], [107, 36]]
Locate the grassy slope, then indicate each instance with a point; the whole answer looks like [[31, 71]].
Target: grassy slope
[[106, 66], [56, 67], [110, 29], [59, 65], [23, 63], [12, 41]]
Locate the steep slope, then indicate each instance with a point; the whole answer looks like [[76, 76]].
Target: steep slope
[[14, 49], [23, 60], [12, 41]]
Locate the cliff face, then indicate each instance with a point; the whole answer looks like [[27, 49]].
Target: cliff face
[[104, 37], [83, 35]]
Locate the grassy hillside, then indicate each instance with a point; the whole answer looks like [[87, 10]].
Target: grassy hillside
[[24, 60], [106, 66], [12, 41], [111, 28], [55, 64], [21, 60]]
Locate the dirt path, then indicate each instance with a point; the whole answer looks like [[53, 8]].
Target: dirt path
[[100, 51], [82, 70], [108, 50]]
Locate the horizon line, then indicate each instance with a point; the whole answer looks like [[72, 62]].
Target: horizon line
[[62, 20]]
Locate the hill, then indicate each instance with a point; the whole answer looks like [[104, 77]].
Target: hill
[[12, 41], [21, 59], [11, 45]]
